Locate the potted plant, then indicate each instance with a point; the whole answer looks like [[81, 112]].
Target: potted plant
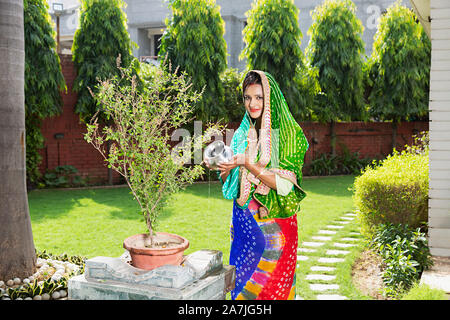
[[143, 113]]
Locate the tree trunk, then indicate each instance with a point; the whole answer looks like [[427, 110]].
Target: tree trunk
[[17, 253], [333, 137], [110, 172]]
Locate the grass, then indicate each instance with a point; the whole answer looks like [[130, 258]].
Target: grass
[[94, 222], [424, 292]]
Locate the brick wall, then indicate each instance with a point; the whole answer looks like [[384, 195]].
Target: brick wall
[[72, 149], [372, 139]]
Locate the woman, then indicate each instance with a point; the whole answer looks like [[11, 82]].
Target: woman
[[263, 178]]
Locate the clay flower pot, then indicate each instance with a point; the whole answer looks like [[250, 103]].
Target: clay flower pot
[[169, 250]]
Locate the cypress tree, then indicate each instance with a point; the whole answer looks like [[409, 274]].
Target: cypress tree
[[101, 37], [336, 50], [273, 37], [44, 80], [193, 41], [398, 71]]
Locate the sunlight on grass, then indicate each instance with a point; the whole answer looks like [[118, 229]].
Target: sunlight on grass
[[94, 222]]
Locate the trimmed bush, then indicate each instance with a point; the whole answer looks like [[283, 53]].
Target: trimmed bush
[[394, 191]]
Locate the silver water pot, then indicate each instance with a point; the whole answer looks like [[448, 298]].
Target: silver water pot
[[217, 152]]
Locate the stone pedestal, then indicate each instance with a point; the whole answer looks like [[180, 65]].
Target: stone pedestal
[[202, 276]]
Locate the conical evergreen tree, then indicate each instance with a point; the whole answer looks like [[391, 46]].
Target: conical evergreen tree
[[101, 37], [44, 80], [272, 37], [399, 67], [194, 42], [336, 50]]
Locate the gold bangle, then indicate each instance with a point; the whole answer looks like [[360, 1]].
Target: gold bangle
[[262, 171]]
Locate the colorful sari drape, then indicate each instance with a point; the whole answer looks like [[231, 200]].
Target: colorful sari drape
[[264, 223]]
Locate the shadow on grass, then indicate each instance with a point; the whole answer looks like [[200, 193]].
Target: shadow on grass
[[54, 203], [119, 202]]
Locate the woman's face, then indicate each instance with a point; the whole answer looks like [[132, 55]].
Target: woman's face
[[254, 100]]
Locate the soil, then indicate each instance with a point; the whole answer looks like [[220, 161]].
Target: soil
[[366, 274], [161, 241]]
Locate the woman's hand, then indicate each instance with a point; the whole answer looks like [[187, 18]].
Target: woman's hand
[[236, 160]]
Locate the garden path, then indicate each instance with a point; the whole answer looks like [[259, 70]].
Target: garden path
[[334, 243]]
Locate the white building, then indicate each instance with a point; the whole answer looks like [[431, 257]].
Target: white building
[[435, 17]]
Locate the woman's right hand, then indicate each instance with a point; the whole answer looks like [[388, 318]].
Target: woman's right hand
[[237, 160]]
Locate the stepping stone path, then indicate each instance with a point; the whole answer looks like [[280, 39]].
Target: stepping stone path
[[322, 277]]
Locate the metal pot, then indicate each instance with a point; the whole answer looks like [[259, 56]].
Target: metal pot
[[217, 152]]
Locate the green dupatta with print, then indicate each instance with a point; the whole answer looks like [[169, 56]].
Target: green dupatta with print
[[280, 149]]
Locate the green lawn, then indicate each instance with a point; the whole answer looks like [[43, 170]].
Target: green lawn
[[94, 222]]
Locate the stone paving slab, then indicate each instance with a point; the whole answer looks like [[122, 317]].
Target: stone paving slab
[[347, 218], [302, 258], [337, 252], [321, 268], [324, 277], [313, 244], [323, 287], [350, 214], [343, 245], [327, 232], [349, 239], [334, 227], [343, 222], [330, 260], [321, 238]]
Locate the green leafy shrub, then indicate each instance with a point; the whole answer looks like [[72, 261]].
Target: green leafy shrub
[[232, 104], [345, 163], [394, 191], [405, 255], [424, 292], [63, 176], [78, 260]]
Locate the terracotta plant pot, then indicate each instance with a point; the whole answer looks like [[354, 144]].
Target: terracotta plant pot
[[151, 258]]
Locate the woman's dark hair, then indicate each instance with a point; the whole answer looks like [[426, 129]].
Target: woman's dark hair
[[251, 78]]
